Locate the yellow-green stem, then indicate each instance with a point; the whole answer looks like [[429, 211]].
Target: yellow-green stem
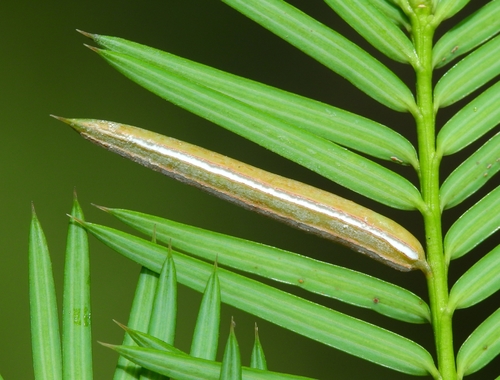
[[437, 280]]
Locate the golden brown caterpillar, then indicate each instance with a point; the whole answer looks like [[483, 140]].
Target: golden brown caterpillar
[[293, 202]]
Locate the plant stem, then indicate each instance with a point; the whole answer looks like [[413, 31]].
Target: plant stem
[[422, 33]]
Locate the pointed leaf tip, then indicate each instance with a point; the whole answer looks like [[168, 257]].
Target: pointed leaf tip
[[77, 220], [105, 209], [112, 346], [86, 34], [121, 325], [93, 48]]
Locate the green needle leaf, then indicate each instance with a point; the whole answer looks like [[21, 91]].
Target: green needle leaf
[[471, 122], [164, 311], [469, 74], [206, 331], [403, 4], [231, 362], [393, 12], [148, 341], [145, 340], [304, 317], [331, 49], [258, 359], [447, 8], [334, 124], [315, 276], [467, 34], [139, 318], [478, 283], [45, 339], [472, 174], [376, 28], [482, 346], [474, 226], [164, 314], [77, 338], [183, 367]]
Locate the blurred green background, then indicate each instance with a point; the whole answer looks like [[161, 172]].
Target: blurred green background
[[44, 69]]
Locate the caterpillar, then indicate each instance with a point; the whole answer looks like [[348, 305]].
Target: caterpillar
[[298, 204]]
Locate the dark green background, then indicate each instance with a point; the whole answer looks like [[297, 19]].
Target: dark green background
[[45, 69]]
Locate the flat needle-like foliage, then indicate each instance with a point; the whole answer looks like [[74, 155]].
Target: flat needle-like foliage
[[349, 149]]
